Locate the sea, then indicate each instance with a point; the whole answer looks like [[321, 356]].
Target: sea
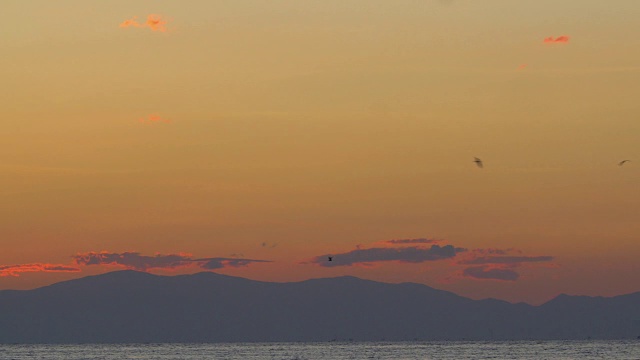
[[458, 350]]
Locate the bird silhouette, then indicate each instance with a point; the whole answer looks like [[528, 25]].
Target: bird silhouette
[[330, 258], [478, 162], [622, 162]]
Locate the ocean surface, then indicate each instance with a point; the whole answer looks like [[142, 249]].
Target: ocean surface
[[539, 350]]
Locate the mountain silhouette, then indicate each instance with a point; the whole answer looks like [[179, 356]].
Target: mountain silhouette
[[136, 307]]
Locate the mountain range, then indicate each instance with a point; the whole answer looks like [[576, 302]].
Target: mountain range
[[137, 307]]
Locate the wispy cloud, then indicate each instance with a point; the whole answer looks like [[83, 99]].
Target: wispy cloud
[[219, 263], [558, 40], [505, 260], [131, 22], [136, 261], [154, 22], [411, 241], [492, 251], [413, 254], [15, 270], [153, 119], [498, 264], [489, 273]]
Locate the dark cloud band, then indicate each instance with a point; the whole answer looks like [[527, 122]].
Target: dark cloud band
[[136, 261], [407, 254]]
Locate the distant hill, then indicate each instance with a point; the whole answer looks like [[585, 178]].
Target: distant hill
[[136, 307]]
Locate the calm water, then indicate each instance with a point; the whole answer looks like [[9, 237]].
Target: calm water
[[583, 350]]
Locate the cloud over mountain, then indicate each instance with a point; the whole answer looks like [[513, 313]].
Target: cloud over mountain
[[486, 273], [412, 254], [411, 241], [136, 261], [505, 260], [15, 270], [497, 264]]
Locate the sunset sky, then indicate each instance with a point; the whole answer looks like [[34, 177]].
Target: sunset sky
[[256, 138]]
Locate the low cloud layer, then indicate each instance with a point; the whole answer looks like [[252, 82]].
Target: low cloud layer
[[219, 263], [136, 261], [154, 23], [411, 241], [558, 40], [489, 273], [498, 264], [505, 260], [15, 270], [411, 254]]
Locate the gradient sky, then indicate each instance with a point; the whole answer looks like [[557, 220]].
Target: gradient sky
[[255, 138]]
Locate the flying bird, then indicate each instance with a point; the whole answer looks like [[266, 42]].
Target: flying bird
[[478, 162], [622, 162], [330, 258]]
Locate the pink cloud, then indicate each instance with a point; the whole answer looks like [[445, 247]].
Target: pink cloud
[[490, 273], [499, 264], [15, 270], [131, 22], [559, 40], [153, 119], [136, 261], [505, 260], [154, 22], [411, 241]]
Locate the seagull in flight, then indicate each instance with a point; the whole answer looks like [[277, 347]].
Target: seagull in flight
[[478, 162], [622, 162]]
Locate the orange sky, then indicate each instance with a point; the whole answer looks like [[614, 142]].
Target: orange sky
[[231, 133]]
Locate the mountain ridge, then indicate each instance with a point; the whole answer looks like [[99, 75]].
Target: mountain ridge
[[129, 306]]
